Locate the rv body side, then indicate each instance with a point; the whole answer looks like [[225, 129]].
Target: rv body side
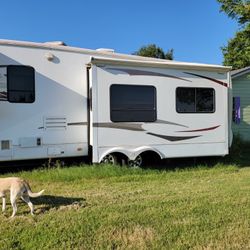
[[176, 130], [55, 124], [84, 100]]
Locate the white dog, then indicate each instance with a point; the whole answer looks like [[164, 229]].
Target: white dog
[[17, 188]]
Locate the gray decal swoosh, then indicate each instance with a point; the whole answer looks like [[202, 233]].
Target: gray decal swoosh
[[133, 126], [137, 72], [170, 123], [77, 123], [73, 124], [126, 126], [173, 138]]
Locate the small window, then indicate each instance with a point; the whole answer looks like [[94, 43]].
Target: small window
[[204, 100], [5, 145], [20, 84], [195, 100], [3, 84], [185, 100], [132, 103]]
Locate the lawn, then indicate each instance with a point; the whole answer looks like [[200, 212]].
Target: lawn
[[111, 207]]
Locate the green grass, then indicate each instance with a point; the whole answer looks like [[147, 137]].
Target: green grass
[[106, 207]]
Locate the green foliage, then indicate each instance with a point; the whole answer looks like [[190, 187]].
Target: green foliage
[[237, 9], [152, 50], [237, 51]]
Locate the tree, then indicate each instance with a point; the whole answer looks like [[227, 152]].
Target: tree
[[236, 9], [152, 50], [237, 51]]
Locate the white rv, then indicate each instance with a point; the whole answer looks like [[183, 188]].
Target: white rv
[[60, 101]]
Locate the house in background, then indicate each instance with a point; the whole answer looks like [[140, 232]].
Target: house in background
[[241, 94]]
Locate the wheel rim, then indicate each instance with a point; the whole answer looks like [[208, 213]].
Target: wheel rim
[[108, 159], [136, 163]]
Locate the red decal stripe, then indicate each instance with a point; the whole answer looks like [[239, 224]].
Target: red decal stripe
[[208, 78], [202, 129]]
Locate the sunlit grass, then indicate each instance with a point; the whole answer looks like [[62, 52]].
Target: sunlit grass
[[110, 207]]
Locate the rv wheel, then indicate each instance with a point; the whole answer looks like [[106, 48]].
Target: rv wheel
[[109, 159], [136, 163]]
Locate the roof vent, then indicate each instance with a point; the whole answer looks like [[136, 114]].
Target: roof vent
[[105, 50], [56, 43]]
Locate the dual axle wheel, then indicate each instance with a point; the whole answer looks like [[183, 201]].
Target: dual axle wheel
[[112, 159]]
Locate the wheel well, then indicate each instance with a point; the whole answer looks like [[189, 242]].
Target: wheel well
[[150, 157], [121, 158]]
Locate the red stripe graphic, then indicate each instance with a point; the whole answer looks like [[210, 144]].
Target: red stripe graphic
[[202, 129], [208, 78]]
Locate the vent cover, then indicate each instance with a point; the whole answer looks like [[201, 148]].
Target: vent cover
[[55, 122], [106, 50], [5, 145], [56, 43]]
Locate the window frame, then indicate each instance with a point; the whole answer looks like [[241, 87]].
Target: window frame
[[137, 120], [8, 82], [5, 100], [196, 112]]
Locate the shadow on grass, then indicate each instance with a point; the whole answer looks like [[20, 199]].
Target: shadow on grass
[[239, 155], [184, 163], [27, 165], [51, 202], [240, 160]]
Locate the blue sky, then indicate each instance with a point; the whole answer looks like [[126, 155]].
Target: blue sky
[[195, 29]]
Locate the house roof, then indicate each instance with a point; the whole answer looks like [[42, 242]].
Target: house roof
[[239, 72]]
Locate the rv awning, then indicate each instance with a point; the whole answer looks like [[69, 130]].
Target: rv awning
[[160, 64]]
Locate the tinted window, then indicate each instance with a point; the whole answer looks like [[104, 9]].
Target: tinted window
[[21, 84], [204, 100], [129, 103], [195, 100], [185, 100]]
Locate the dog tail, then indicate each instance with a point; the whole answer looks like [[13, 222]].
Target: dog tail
[[34, 195], [30, 193]]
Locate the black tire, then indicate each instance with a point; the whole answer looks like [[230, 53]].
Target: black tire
[[136, 163], [110, 159]]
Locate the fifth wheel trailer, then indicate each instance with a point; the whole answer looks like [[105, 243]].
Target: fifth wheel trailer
[[60, 101]]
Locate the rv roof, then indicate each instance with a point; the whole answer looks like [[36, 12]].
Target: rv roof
[[239, 72], [117, 58]]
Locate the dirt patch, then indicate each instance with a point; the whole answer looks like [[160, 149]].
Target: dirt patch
[[74, 206], [137, 237]]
